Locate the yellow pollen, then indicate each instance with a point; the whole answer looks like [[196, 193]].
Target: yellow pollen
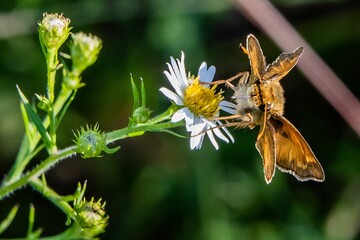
[[202, 100]]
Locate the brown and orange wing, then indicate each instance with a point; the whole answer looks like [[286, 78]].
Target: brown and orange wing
[[293, 153], [265, 144], [256, 57], [282, 65]]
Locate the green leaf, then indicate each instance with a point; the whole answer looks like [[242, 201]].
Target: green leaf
[[26, 122], [30, 234], [35, 119], [111, 150], [135, 94], [9, 218], [143, 93]]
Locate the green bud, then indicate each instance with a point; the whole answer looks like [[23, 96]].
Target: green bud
[[90, 142], [141, 115], [84, 49], [91, 215], [71, 81], [44, 103], [53, 30]]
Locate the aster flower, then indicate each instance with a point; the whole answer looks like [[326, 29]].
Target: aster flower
[[200, 104]]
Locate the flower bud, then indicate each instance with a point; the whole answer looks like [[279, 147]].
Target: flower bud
[[84, 49], [91, 215], [53, 30], [141, 115], [71, 81], [90, 142], [44, 103]]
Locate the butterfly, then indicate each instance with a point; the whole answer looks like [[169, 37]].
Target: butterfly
[[260, 101]]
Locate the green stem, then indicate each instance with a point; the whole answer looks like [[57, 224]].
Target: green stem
[[26, 152], [164, 116], [68, 152], [52, 61], [37, 171], [125, 132], [53, 196], [19, 167]]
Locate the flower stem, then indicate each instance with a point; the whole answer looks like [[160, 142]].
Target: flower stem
[[53, 196], [26, 153], [37, 171], [68, 152], [125, 132], [52, 62]]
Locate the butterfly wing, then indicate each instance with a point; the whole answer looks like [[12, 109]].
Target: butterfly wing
[[256, 57], [265, 144], [282, 65], [293, 153]]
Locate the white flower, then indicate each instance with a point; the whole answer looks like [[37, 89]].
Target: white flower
[[200, 103]]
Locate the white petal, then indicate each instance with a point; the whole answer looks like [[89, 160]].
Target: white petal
[[217, 131], [227, 104], [227, 132], [197, 134], [229, 110], [172, 96], [202, 70], [175, 83], [228, 107], [212, 139], [196, 142], [177, 73], [206, 75], [198, 126], [182, 66], [178, 115]]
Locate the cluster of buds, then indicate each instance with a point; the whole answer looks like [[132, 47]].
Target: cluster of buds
[[84, 48]]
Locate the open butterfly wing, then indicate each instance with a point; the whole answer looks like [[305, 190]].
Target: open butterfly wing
[[293, 153], [282, 65]]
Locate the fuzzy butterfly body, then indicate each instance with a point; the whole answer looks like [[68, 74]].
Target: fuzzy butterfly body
[[260, 101]]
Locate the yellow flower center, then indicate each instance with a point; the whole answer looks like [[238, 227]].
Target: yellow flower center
[[202, 100]]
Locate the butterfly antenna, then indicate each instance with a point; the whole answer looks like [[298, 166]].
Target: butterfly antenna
[[244, 49]]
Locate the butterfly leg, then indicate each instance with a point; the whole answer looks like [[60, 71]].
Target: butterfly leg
[[243, 79]]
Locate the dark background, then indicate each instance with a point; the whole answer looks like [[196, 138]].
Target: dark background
[[155, 187]]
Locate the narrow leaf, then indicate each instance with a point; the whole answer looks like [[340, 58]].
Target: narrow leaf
[[34, 118], [135, 94], [32, 234], [9, 218], [143, 93]]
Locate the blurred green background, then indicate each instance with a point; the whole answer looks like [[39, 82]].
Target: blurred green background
[[155, 187]]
